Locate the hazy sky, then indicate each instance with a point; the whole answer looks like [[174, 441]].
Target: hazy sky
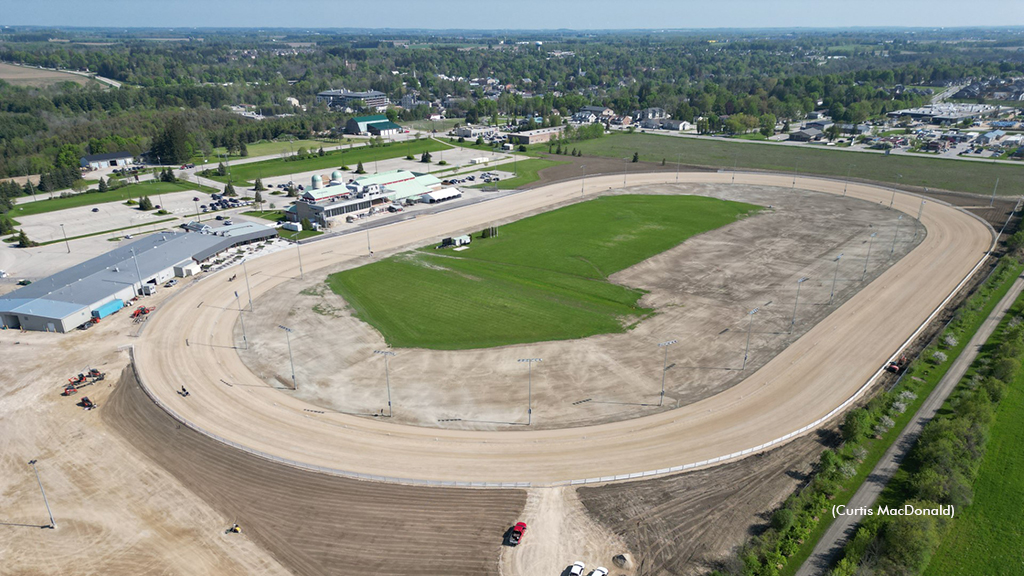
[[514, 14]]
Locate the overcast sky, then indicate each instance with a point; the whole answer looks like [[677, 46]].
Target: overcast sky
[[515, 14]]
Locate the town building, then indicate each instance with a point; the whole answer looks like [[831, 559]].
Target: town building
[[806, 135], [325, 202], [108, 160], [377, 125], [536, 136], [67, 299], [369, 100]]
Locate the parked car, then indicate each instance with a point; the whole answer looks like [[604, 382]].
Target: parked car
[[219, 217], [577, 569], [171, 284], [196, 199], [600, 571], [517, 533], [95, 209]]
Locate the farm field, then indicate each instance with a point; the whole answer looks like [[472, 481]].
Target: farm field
[[542, 278], [985, 538], [266, 148], [38, 78], [245, 174], [131, 191], [946, 174], [527, 173], [441, 126]]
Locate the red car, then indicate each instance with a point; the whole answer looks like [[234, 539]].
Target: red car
[[518, 531]]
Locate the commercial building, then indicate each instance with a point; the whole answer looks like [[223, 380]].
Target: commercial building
[[535, 136], [369, 100], [947, 113], [97, 161], [320, 204], [473, 131], [67, 299], [806, 135], [376, 125]]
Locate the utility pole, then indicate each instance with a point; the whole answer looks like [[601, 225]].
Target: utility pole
[[368, 249], [834, 278], [387, 377], [993, 200], [848, 170], [796, 166], [247, 289], [870, 241], [62, 231], [241, 320], [898, 222], [584, 182], [679, 162], [298, 250], [53, 524], [529, 390], [749, 326], [625, 165], [288, 336], [664, 369], [792, 324]]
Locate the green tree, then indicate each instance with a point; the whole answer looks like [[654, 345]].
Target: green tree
[[425, 157], [69, 156], [856, 425], [229, 190], [145, 203], [306, 224], [636, 156], [23, 240], [172, 145], [259, 199], [79, 185], [103, 187], [360, 169], [222, 170], [259, 186], [243, 150]]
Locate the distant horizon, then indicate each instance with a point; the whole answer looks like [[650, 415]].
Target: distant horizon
[[524, 16]]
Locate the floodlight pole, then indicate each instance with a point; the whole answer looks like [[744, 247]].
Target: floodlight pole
[[137, 271], [247, 289], [847, 184], [53, 524], [298, 250], [893, 199], [919, 211], [625, 166], [368, 249], [241, 320], [584, 182], [834, 278], [796, 302], [68, 245], [870, 241], [993, 200], [894, 236], [679, 162], [529, 390], [288, 336], [749, 326], [387, 377], [664, 369]]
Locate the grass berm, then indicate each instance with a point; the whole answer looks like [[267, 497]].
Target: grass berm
[[542, 278]]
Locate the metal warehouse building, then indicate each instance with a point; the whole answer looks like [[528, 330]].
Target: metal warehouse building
[[67, 299]]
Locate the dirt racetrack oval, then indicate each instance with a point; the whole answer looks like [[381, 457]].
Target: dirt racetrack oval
[[790, 395]]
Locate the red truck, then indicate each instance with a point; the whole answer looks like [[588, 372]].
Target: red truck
[[518, 531]]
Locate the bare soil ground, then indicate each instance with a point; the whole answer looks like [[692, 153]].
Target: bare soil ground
[[690, 524], [319, 524], [116, 513], [27, 76], [701, 290]]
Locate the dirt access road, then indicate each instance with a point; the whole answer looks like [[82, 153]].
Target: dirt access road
[[190, 341]]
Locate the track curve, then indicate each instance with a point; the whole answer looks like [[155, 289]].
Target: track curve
[[791, 394]]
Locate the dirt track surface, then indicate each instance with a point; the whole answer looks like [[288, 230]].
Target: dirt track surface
[[319, 524], [701, 290], [810, 378]]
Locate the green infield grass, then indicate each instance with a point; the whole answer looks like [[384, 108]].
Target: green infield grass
[[542, 278]]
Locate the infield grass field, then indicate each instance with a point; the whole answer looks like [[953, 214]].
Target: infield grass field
[[943, 173], [542, 278]]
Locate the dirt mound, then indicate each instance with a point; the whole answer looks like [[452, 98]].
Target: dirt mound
[[316, 523]]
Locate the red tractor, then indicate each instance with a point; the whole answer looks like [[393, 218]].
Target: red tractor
[[516, 536], [897, 366]]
